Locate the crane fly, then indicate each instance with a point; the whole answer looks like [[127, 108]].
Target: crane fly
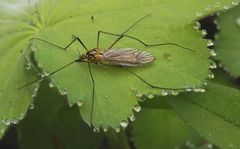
[[115, 57]]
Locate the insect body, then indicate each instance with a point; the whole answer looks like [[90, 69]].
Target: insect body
[[124, 57], [118, 57]]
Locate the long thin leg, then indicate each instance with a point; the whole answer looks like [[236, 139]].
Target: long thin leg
[[142, 42], [37, 80], [121, 35], [149, 84], [143, 80], [64, 48], [93, 94]]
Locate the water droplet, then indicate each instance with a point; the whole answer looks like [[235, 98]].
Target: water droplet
[[21, 116], [139, 94], [137, 108], [51, 84], [215, 22], [175, 93], [210, 43], [198, 13], [96, 130], [213, 65], [34, 94], [123, 124], [105, 129], [238, 21], [197, 25], [164, 93], [31, 106], [235, 2], [150, 96], [213, 53], [204, 32], [205, 83], [199, 90], [188, 89], [132, 118], [6, 121], [117, 130], [226, 7], [14, 121], [79, 103], [211, 75], [210, 145], [36, 86], [63, 92], [45, 74], [28, 66]]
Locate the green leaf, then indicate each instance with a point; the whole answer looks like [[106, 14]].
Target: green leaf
[[14, 32], [57, 20], [13, 102], [157, 128], [55, 124], [121, 97], [227, 43], [214, 114]]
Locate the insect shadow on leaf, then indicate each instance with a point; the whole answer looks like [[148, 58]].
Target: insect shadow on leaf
[[113, 57]]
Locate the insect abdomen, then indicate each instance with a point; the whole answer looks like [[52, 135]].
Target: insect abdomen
[[128, 57]]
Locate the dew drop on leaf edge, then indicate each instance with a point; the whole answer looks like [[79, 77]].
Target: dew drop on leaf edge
[[132, 118], [235, 2], [150, 95], [198, 13], [137, 108], [14, 121], [117, 130], [139, 94], [31, 106], [6, 122], [164, 93], [105, 129], [96, 130], [123, 124], [79, 103]]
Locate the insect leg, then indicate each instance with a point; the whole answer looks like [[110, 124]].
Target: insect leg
[[140, 41], [93, 94], [99, 33], [149, 84], [37, 80], [122, 34], [143, 80], [159, 44], [64, 48]]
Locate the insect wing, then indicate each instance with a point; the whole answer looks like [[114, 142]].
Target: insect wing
[[128, 57]]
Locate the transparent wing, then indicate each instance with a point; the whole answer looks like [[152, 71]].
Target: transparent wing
[[128, 57]]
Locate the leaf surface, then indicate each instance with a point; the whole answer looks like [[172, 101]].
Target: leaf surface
[[57, 20]]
